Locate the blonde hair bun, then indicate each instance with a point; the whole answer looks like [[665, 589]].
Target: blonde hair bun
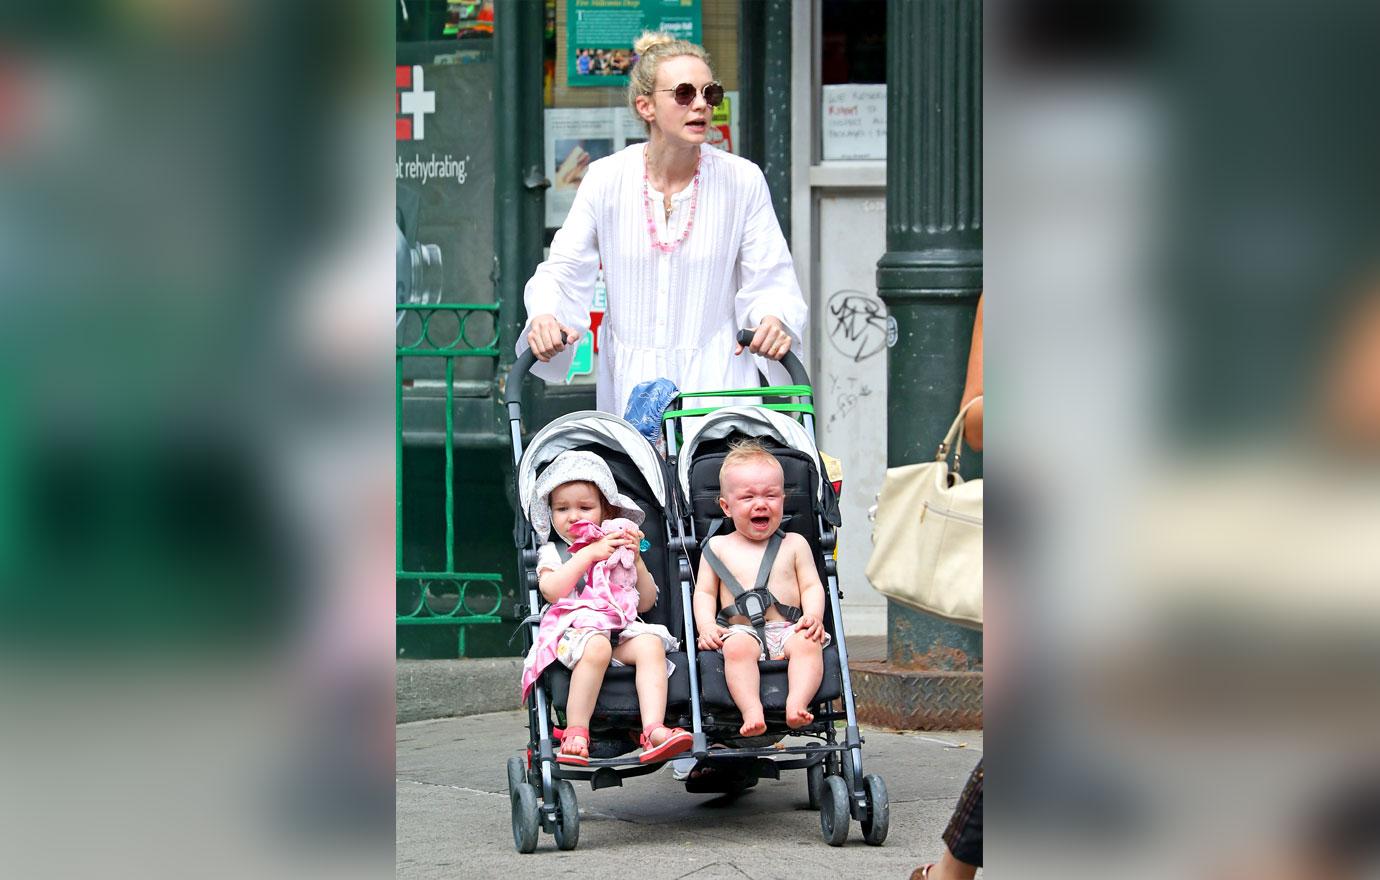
[[651, 39]]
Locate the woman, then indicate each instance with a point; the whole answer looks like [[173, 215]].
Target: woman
[[689, 244], [962, 837]]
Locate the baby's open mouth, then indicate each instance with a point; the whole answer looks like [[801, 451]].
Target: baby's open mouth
[[761, 522]]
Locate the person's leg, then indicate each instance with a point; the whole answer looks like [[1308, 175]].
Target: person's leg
[[947, 868], [648, 655], [744, 683], [804, 672], [585, 680]]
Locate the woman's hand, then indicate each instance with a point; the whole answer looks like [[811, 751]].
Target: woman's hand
[[771, 339], [545, 337]]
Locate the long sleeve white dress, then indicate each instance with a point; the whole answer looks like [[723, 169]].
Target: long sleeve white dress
[[670, 315]]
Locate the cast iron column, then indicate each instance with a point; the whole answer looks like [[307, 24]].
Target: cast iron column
[[931, 274], [764, 89]]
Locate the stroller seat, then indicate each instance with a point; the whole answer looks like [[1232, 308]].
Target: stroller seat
[[714, 687], [803, 484], [616, 708]]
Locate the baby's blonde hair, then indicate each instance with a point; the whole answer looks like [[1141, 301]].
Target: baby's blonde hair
[[746, 451], [652, 48]]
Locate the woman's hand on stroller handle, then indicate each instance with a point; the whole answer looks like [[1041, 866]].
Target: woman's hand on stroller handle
[[769, 339], [548, 337]]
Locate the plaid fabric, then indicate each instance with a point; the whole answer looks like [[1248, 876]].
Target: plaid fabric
[[963, 837]]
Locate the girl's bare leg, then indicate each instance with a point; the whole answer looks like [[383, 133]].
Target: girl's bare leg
[[585, 680], [648, 655], [744, 683]]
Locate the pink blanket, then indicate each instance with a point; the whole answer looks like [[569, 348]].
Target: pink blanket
[[608, 601]]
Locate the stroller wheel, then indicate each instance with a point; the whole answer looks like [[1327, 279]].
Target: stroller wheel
[[526, 818], [877, 821], [567, 815], [517, 773], [814, 783], [833, 810]]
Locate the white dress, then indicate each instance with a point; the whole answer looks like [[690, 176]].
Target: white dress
[[673, 315]]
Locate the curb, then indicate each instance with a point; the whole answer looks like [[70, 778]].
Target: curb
[[427, 689]]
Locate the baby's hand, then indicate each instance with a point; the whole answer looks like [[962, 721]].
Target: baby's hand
[[604, 547], [811, 628], [711, 638], [635, 537]]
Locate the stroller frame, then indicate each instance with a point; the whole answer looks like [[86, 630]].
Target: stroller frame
[[540, 791], [833, 765]]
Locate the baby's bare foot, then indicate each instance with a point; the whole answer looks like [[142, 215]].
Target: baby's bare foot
[[753, 725], [797, 716]]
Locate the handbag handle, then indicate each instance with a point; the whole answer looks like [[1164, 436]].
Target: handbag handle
[[952, 439]]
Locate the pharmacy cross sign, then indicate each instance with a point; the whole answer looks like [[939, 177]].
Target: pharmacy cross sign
[[416, 103]]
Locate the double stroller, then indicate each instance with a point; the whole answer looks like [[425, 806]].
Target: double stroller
[[679, 495]]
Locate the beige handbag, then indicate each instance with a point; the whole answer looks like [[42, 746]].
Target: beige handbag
[[927, 536]]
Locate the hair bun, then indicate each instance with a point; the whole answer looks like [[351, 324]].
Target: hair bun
[[651, 39]]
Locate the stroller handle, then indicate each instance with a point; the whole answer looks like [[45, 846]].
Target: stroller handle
[[792, 363], [513, 388]]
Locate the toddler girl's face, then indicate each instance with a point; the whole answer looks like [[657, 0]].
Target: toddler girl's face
[[572, 502]]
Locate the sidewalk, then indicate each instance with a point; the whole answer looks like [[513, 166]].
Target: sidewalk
[[453, 814]]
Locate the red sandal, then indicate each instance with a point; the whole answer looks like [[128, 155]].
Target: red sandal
[[676, 741], [564, 757]]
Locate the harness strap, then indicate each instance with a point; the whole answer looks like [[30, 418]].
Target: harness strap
[[752, 604], [564, 552]]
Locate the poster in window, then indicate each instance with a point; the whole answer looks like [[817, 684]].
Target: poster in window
[[600, 35], [577, 136]]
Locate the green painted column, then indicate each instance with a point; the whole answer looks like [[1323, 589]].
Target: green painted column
[[751, 53], [776, 108], [764, 88], [520, 183], [931, 274]]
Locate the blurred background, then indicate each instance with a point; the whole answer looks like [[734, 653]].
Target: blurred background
[[1184, 346], [195, 461], [196, 438]]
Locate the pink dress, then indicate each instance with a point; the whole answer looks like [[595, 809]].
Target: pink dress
[[608, 601]]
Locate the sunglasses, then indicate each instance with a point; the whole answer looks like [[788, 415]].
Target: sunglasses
[[685, 94]]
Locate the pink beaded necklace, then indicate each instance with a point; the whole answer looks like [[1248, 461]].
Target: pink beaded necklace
[[647, 204]]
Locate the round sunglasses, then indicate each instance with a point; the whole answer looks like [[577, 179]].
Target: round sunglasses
[[685, 94]]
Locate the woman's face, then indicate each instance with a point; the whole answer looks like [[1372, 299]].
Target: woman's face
[[689, 124]]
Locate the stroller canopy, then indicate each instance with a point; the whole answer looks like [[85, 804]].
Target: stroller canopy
[[582, 429], [755, 422]]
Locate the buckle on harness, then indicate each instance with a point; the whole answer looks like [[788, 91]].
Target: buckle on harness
[[754, 605]]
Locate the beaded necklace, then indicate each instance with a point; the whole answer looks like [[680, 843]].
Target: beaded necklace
[[647, 205]]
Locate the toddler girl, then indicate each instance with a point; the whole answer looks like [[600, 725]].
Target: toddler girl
[[597, 584]]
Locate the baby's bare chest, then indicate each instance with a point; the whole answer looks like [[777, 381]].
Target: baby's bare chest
[[746, 567]]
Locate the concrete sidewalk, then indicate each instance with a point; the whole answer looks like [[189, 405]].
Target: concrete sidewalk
[[453, 813]]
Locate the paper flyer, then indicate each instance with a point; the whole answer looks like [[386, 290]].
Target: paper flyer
[[577, 136]]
